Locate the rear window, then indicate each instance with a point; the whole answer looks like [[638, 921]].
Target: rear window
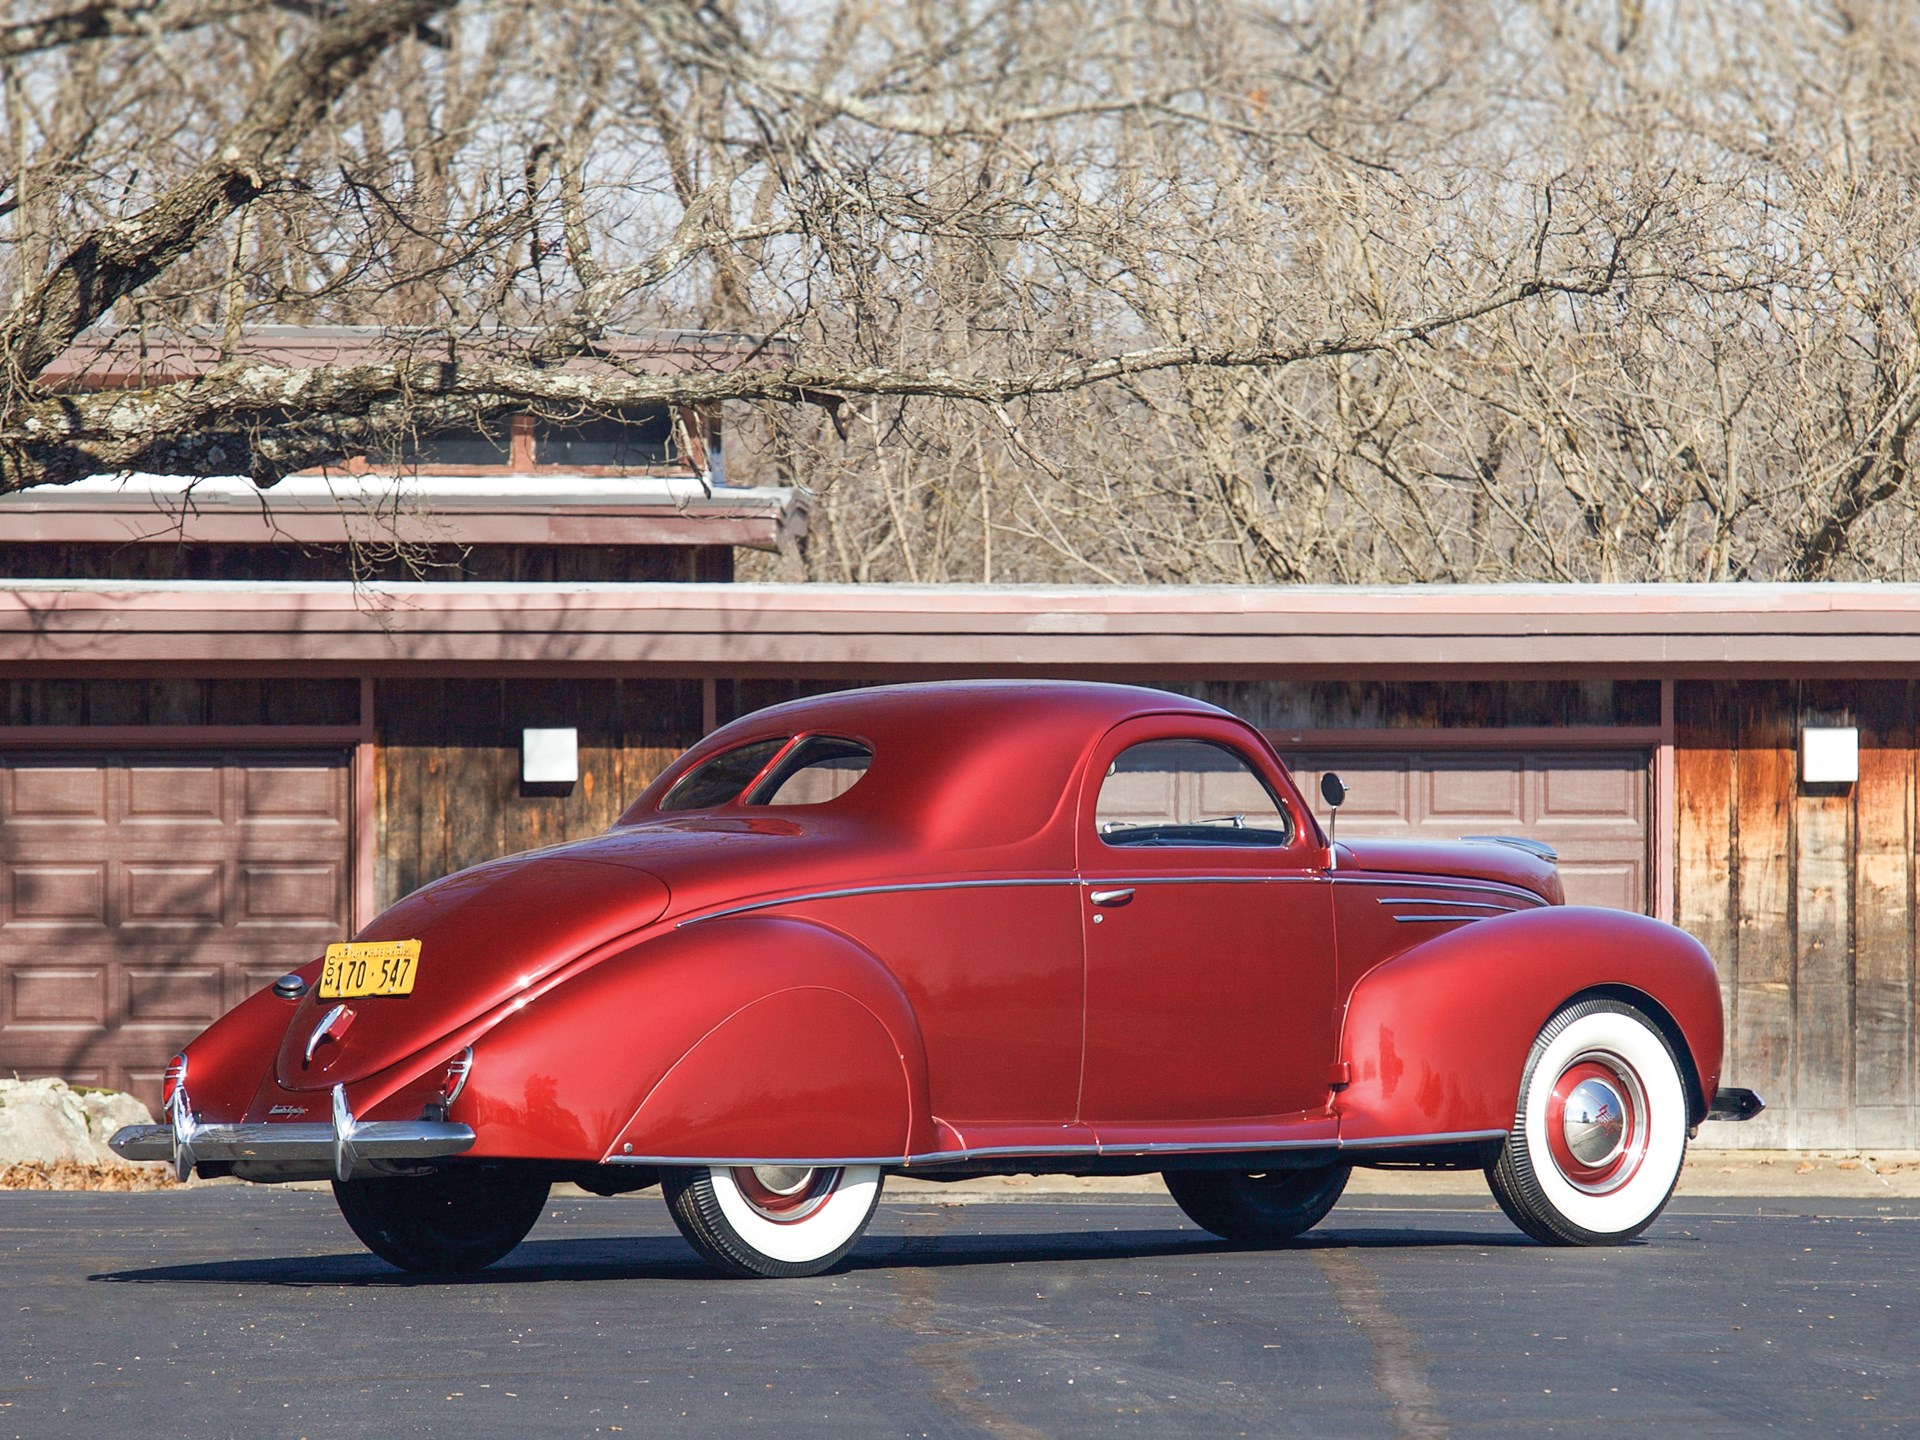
[[818, 769], [720, 780]]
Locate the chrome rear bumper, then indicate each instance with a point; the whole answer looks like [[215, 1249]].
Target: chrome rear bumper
[[335, 1150]]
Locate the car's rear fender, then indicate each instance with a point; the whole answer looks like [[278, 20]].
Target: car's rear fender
[[1435, 1040], [751, 1037], [225, 1061]]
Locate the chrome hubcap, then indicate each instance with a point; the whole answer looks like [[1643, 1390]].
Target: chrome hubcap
[[1594, 1122], [785, 1194], [784, 1179]]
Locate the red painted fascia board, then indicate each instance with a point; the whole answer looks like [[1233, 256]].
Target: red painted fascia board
[[734, 629]]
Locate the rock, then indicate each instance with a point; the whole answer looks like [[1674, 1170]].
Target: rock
[[48, 1122], [108, 1111]]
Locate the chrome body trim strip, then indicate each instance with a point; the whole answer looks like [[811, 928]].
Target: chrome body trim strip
[[939, 1157], [1440, 919], [1491, 887], [1210, 1147], [1453, 1137], [905, 888], [1451, 904], [986, 1151], [919, 886], [1238, 877]]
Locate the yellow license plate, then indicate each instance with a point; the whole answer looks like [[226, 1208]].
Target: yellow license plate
[[369, 967]]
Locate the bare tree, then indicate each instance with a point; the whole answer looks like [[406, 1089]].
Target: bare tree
[[1242, 290]]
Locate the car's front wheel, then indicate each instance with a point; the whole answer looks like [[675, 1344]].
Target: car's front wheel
[[450, 1223], [772, 1221], [1601, 1132], [1263, 1208]]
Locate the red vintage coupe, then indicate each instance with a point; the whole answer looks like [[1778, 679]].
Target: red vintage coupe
[[957, 930]]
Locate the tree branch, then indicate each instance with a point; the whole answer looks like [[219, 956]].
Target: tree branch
[[124, 19], [119, 258], [269, 420]]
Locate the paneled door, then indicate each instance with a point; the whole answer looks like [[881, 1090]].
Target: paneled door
[[144, 894], [1591, 806]]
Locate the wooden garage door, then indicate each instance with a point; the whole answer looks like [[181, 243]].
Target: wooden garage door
[[142, 895], [1591, 806]]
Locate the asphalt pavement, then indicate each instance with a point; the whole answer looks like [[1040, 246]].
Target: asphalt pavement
[[226, 1310]]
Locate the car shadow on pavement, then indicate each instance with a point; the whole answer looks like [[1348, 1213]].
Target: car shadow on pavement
[[577, 1261], [643, 1258], [887, 1252]]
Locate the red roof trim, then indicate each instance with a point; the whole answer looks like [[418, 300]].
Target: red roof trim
[[860, 631]]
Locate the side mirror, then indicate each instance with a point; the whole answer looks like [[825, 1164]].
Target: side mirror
[[1333, 790]]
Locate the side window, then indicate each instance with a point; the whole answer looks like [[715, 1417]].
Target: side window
[[820, 768], [1187, 792]]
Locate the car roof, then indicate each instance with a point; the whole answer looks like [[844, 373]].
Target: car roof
[[1078, 706], [966, 762]]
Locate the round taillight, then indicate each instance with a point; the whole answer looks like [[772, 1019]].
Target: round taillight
[[176, 1077]]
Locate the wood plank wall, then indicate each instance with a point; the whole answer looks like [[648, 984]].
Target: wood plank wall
[[447, 768], [287, 701], [1341, 704], [1805, 896], [1430, 704]]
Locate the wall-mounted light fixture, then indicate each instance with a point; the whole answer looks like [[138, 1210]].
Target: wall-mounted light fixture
[[1829, 755], [549, 757]]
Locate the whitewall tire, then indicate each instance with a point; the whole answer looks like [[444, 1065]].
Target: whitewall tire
[[773, 1221], [1601, 1131]]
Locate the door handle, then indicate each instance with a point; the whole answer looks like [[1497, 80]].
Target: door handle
[[1111, 897]]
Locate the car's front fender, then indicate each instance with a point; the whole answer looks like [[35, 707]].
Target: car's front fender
[[1435, 1040]]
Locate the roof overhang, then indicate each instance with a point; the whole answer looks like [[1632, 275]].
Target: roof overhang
[[335, 509], [1601, 632]]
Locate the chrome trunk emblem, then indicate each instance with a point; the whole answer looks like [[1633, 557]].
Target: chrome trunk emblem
[[332, 1026]]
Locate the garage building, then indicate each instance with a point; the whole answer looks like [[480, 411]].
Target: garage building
[[202, 783]]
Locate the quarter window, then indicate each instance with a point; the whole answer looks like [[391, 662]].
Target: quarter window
[[720, 780], [818, 769], [1187, 792]]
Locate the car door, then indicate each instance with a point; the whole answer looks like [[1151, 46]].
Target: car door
[[1208, 925]]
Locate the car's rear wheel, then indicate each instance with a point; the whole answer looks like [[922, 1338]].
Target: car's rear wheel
[[772, 1221], [1262, 1208], [1601, 1132], [450, 1223]]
